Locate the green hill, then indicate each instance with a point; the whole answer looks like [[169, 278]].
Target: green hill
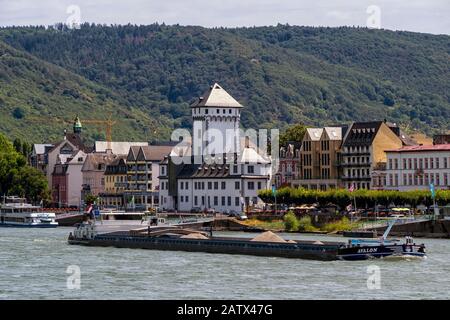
[[282, 74]]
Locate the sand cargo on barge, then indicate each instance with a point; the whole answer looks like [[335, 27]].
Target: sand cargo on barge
[[266, 244]]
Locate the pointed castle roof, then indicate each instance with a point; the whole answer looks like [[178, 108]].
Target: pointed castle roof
[[216, 96]]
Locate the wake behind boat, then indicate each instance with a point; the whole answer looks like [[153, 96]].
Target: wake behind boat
[[16, 212]]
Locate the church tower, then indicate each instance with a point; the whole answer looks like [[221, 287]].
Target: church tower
[[77, 127], [216, 118]]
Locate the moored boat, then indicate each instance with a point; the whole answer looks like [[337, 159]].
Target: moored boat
[[16, 212]]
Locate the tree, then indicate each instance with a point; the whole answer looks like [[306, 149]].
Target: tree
[[18, 113], [294, 133], [16, 177]]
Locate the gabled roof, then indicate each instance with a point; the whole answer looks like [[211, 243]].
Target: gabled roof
[[362, 133], [314, 133], [93, 160], [40, 148], [133, 153], [249, 155], [216, 96], [333, 133]]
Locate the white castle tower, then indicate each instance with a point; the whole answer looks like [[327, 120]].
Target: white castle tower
[[216, 117]]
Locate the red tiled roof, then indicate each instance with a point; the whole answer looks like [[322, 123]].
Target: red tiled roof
[[437, 147]]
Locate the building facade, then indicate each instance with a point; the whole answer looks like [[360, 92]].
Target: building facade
[[289, 165], [416, 167], [39, 157], [93, 173], [319, 155], [225, 176], [143, 165], [115, 184], [363, 154]]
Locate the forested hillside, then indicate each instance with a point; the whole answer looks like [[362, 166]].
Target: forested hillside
[[282, 75]]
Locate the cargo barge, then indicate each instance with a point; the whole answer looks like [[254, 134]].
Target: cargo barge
[[181, 239]]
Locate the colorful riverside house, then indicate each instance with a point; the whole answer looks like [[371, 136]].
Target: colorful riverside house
[[319, 156], [143, 175], [416, 167], [67, 180], [289, 166], [363, 156], [65, 149], [93, 172], [228, 179], [115, 183]]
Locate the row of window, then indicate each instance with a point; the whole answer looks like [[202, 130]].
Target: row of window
[[357, 160], [230, 111], [214, 185], [419, 163], [419, 180], [224, 201]]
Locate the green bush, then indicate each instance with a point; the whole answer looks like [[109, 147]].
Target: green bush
[[305, 224], [342, 225], [290, 222]]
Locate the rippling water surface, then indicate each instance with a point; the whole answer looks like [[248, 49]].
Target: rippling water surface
[[33, 265]]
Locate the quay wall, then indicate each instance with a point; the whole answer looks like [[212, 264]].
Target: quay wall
[[428, 229]]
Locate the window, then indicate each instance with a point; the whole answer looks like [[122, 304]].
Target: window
[[235, 169], [195, 201], [251, 185], [236, 201], [216, 200], [437, 163], [237, 185], [206, 111], [209, 185], [181, 199], [182, 185], [229, 201], [186, 198], [223, 185], [223, 201], [216, 185], [187, 185], [259, 185], [250, 169]]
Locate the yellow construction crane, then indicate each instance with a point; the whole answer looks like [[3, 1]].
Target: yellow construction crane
[[108, 123]]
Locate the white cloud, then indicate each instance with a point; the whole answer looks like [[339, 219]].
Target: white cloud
[[414, 15]]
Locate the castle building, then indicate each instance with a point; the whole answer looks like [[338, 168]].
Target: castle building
[[221, 172]]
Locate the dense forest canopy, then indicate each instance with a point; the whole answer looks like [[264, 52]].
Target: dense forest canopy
[[148, 75]]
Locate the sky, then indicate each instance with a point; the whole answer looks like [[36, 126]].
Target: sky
[[428, 16]]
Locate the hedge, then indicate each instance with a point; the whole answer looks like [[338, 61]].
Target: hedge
[[364, 198]]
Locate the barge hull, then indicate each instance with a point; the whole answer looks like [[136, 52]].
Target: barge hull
[[312, 252]]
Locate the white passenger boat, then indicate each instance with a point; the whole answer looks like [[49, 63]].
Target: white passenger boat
[[16, 212]]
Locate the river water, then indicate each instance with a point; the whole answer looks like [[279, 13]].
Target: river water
[[34, 264]]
